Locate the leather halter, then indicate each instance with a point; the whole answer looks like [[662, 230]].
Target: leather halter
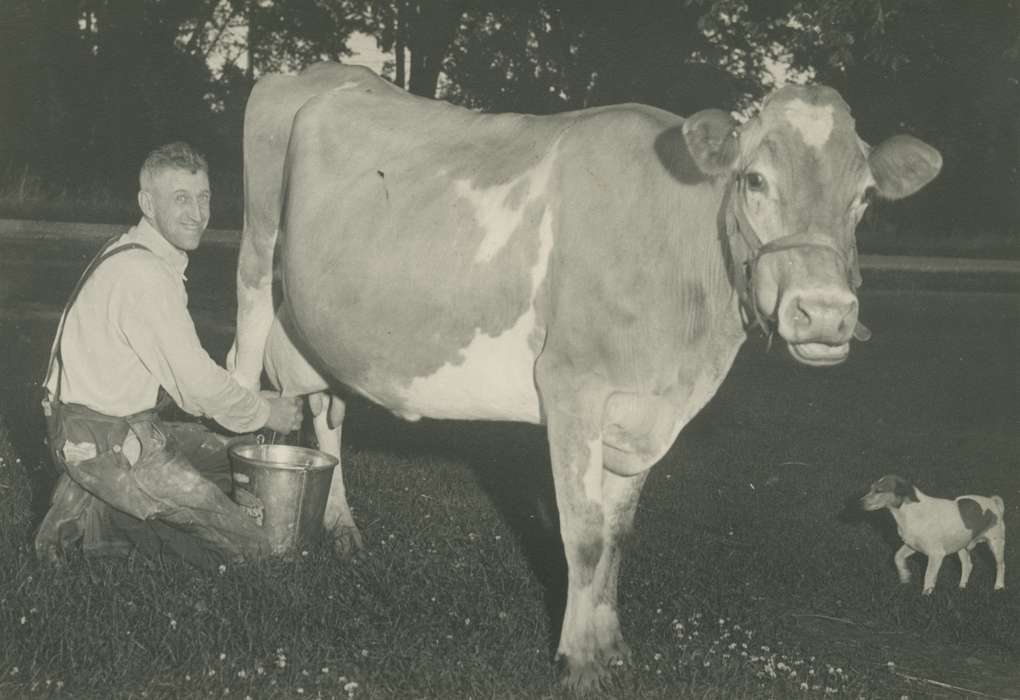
[[741, 235]]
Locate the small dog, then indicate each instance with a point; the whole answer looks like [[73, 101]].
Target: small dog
[[937, 527]]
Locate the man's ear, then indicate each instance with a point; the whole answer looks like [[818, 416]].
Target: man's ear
[[712, 140], [145, 203]]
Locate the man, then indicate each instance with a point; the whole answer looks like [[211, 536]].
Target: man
[[130, 480]]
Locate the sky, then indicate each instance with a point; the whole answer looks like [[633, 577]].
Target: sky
[[366, 53]]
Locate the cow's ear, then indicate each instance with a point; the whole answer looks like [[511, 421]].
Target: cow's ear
[[902, 165], [712, 140]]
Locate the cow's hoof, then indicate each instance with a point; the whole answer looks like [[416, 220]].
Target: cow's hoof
[[927, 591], [347, 541], [618, 654], [583, 677], [49, 556]]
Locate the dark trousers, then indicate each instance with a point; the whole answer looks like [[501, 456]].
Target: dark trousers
[[151, 485]]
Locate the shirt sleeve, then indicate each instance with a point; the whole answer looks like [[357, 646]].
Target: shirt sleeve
[[157, 325]]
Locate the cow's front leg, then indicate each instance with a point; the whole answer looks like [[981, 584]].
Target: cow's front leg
[[594, 510], [620, 496], [328, 419]]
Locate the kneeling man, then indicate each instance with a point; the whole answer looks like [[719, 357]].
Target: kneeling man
[[129, 479]]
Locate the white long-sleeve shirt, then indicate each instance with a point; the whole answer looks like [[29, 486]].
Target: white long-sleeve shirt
[[129, 332]]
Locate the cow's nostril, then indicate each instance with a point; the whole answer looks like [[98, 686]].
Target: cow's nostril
[[849, 319], [801, 317], [825, 318]]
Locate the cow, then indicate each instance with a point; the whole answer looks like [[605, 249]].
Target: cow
[[594, 271]]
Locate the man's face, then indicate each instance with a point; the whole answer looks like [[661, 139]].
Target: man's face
[[176, 203]]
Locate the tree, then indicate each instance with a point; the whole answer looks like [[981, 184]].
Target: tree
[[418, 33], [540, 55]]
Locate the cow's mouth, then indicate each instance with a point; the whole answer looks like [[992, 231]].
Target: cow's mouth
[[819, 354]]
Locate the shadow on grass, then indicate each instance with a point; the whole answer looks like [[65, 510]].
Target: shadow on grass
[[511, 464]]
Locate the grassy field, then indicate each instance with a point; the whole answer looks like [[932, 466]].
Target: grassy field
[[748, 576]]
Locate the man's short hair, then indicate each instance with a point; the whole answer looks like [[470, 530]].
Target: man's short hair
[[178, 155]]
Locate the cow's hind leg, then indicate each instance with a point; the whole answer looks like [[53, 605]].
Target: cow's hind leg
[[328, 412]]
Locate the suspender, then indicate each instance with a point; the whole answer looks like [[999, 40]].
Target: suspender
[[108, 250]]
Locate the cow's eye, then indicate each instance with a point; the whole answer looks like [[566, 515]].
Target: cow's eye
[[755, 181], [869, 195]]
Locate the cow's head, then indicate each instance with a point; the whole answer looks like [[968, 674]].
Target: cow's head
[[800, 180]]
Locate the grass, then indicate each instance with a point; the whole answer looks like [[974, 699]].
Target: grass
[[747, 576]]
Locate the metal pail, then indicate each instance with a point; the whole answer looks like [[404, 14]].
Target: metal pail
[[284, 488]]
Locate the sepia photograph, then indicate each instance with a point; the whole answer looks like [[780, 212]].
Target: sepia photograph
[[480, 349]]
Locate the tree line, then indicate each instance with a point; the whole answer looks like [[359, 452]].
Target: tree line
[[87, 87]]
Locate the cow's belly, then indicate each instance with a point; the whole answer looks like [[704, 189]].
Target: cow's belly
[[493, 378]]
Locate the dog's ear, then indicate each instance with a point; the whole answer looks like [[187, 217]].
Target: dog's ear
[[904, 490]]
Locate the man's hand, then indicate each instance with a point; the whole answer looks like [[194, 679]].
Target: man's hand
[[284, 412]]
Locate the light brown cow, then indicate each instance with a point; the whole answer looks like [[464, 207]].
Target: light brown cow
[[594, 271]]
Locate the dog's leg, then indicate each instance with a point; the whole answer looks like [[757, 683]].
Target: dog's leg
[[932, 572], [901, 563], [965, 567], [998, 547]]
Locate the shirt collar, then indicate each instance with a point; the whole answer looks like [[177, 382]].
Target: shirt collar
[[152, 239]]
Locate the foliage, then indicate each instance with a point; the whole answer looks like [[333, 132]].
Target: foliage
[[89, 87]]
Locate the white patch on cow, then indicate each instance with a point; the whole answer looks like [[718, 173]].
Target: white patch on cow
[[494, 215], [812, 121], [495, 377], [348, 85], [592, 478]]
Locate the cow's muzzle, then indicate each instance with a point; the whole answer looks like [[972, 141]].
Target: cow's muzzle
[[817, 325]]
